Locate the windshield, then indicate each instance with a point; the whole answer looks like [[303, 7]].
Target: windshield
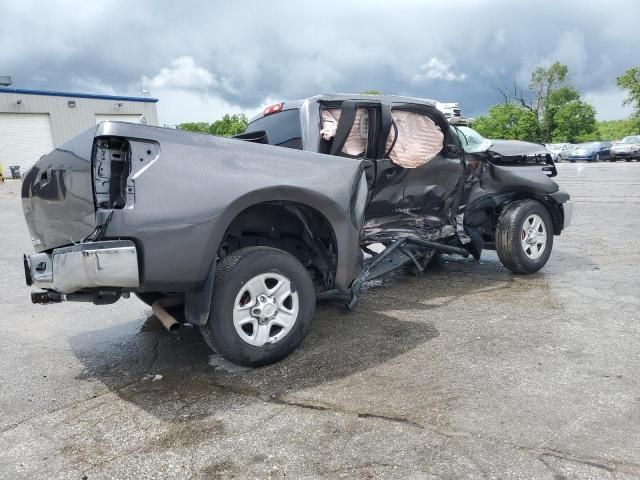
[[588, 145], [631, 140], [472, 141], [554, 147]]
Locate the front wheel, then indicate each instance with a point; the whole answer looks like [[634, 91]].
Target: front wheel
[[524, 236], [262, 307], [597, 157]]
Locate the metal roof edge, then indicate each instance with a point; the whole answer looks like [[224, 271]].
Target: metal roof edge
[[94, 96]]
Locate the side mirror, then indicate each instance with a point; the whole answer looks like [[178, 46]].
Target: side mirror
[[455, 149]]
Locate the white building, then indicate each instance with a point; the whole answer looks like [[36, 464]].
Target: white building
[[34, 122]]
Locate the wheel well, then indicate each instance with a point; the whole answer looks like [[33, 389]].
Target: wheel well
[[293, 227], [483, 214]]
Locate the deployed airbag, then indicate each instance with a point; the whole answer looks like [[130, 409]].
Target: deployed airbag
[[356, 143], [418, 139]]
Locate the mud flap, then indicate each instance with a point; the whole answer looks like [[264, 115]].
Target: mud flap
[[197, 304], [476, 245]]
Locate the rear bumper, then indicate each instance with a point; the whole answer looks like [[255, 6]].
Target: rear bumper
[[85, 265], [623, 154]]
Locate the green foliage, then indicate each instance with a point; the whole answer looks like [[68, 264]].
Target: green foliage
[[616, 129], [553, 102], [227, 126], [575, 121], [545, 80], [200, 127], [509, 121], [554, 113], [547, 85], [630, 81]]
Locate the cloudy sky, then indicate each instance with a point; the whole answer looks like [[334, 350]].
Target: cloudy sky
[[205, 58]]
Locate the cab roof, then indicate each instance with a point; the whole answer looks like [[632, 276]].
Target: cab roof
[[336, 97]]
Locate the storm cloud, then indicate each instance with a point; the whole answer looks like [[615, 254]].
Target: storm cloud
[[204, 58]]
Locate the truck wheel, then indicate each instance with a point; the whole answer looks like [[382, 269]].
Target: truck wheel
[[524, 236], [262, 307]]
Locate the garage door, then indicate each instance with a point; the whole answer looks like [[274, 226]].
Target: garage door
[[118, 118], [24, 138]]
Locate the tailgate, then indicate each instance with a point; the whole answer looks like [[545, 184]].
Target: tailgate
[[57, 195]]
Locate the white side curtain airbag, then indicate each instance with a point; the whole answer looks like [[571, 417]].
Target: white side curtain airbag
[[356, 143], [419, 139]]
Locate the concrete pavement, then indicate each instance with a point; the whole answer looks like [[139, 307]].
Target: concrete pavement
[[468, 371]]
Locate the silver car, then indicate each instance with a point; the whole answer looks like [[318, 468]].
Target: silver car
[[626, 149], [559, 151]]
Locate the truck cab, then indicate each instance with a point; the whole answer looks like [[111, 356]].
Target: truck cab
[[426, 179]]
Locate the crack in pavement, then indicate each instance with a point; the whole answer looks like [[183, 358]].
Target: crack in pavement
[[608, 465], [540, 452], [589, 463]]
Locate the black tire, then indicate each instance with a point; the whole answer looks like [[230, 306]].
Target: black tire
[[559, 158], [508, 240], [232, 272], [572, 161]]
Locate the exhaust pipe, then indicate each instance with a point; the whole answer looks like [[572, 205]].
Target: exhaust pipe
[[159, 310]]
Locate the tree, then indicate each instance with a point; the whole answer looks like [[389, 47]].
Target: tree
[[544, 81], [509, 121], [630, 80], [575, 121], [227, 126], [553, 102], [200, 127], [616, 129]]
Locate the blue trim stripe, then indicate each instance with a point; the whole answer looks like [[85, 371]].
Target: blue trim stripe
[[77, 95]]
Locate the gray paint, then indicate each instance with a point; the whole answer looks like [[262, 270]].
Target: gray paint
[[178, 222], [67, 122]]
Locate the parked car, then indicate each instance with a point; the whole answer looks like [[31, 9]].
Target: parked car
[[590, 152], [626, 149], [559, 151], [252, 231]]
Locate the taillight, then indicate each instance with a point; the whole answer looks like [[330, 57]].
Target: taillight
[[111, 168], [273, 109]]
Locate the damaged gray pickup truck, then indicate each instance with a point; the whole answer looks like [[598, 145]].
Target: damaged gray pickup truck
[[250, 232]]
